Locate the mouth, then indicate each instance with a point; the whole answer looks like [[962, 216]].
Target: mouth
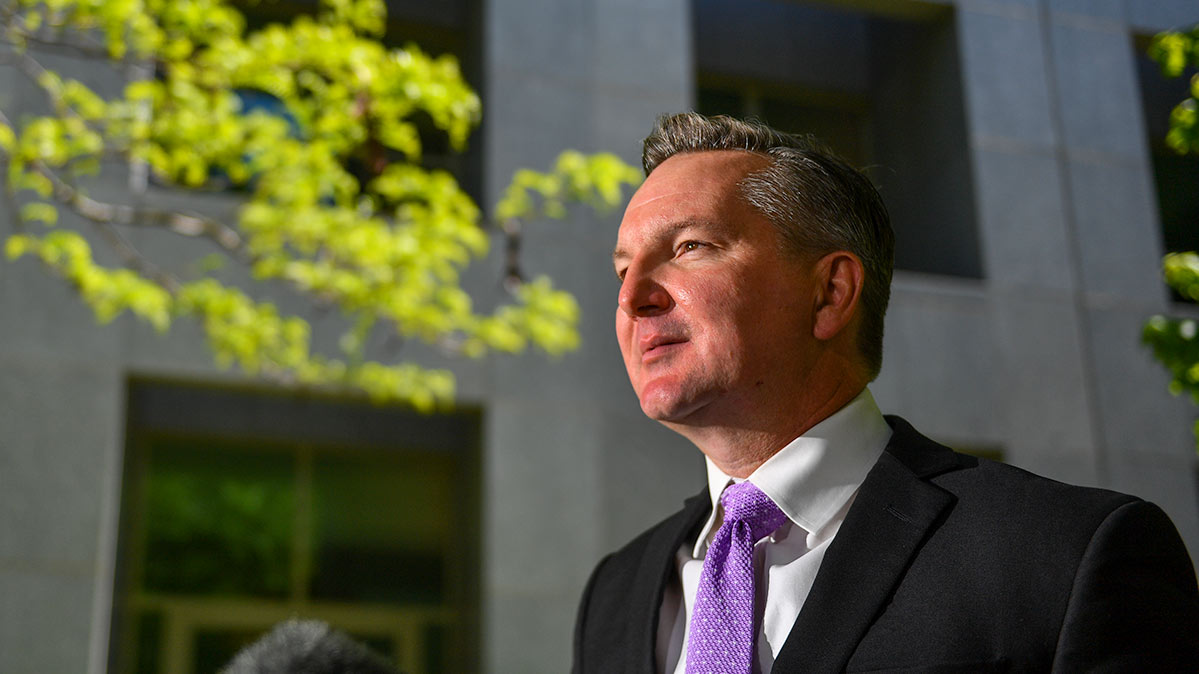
[[660, 346]]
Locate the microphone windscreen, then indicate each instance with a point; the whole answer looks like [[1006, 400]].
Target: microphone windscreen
[[307, 647]]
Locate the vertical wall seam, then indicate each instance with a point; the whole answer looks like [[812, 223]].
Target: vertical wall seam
[[1073, 248], [104, 576]]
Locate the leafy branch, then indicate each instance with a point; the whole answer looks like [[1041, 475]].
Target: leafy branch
[[337, 203], [1174, 340]]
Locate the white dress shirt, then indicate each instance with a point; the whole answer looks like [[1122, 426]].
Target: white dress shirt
[[813, 480]]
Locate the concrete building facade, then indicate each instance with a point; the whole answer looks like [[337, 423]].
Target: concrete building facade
[[1008, 136]]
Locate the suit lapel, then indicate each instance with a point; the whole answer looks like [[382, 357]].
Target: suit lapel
[[657, 568], [894, 511]]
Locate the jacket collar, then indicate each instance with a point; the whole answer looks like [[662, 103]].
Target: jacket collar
[[658, 566], [895, 510]]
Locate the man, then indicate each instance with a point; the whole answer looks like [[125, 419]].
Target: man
[[755, 272]]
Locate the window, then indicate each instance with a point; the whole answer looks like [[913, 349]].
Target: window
[[1175, 176], [883, 91], [840, 120], [243, 509]]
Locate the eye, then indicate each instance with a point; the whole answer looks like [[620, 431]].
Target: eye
[[689, 246]]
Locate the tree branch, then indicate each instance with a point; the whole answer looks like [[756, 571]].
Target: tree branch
[[513, 278], [185, 224], [133, 258], [101, 212], [34, 70], [83, 45]]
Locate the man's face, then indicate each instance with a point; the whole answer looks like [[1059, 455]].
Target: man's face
[[712, 319]]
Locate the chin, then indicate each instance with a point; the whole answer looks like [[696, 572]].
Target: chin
[[658, 410], [677, 398], [669, 409]]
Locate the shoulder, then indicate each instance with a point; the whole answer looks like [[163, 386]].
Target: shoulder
[[1006, 491], [992, 490], [1071, 578], [1009, 522]]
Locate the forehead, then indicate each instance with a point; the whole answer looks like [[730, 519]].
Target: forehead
[[690, 187], [714, 173]]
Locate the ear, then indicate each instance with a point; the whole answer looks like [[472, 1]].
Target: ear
[[839, 278]]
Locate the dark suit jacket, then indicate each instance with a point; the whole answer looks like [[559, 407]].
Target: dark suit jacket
[[945, 563]]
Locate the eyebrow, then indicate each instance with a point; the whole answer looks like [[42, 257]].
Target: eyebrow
[[673, 228]]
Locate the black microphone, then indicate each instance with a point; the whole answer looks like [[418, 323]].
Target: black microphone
[[307, 647]]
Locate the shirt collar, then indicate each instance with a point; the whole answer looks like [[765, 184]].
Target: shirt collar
[[815, 475]]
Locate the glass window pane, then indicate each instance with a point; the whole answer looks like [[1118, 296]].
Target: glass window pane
[[842, 129], [149, 642], [710, 101], [216, 648], [383, 526], [435, 649], [1177, 180], [219, 520]]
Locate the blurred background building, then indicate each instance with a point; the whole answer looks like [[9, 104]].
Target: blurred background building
[[158, 513]]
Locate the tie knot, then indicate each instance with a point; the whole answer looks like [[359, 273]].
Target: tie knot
[[743, 502]]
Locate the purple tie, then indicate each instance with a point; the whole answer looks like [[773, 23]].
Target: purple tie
[[721, 635]]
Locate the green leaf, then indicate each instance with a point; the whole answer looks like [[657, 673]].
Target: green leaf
[[33, 21], [17, 245], [41, 212], [7, 138], [385, 244]]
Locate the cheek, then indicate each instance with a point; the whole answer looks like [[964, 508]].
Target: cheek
[[736, 316], [624, 332], [703, 300], [715, 306], [683, 295]]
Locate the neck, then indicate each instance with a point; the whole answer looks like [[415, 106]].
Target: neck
[[739, 447]]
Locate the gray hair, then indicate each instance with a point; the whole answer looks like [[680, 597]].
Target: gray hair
[[819, 203], [307, 647]]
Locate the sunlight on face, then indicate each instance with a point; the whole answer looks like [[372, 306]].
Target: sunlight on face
[[709, 316]]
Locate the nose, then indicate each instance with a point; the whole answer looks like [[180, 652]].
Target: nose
[[642, 295]]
